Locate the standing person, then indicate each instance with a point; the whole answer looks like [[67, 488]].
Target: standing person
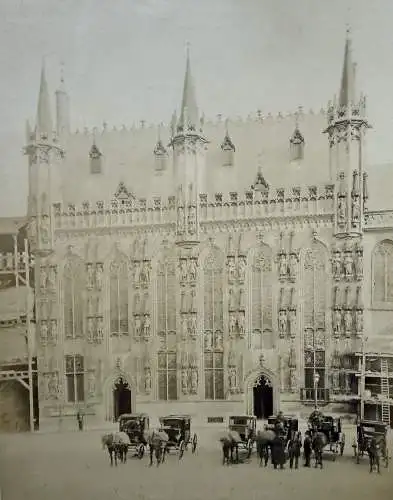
[[278, 453], [79, 418], [294, 446], [307, 446]]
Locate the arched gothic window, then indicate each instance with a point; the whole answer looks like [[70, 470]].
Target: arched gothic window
[[314, 317], [166, 324], [261, 299], [213, 326], [73, 282], [383, 273], [119, 296]]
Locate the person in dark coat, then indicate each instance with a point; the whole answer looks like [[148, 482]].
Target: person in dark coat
[[294, 447], [79, 418], [278, 453], [307, 448]]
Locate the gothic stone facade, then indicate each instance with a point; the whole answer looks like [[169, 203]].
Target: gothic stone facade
[[190, 297]]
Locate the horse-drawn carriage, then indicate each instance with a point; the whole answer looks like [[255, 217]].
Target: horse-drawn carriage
[[330, 430], [367, 431], [245, 426], [178, 430], [136, 426], [285, 426]]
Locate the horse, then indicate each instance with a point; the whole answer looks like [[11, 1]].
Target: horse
[[117, 446], [318, 443], [230, 442], [373, 454], [264, 440], [157, 440]]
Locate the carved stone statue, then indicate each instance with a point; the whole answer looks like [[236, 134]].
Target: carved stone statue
[[99, 276], [100, 329], [52, 277], [241, 299], [231, 269], [147, 380], [336, 264], [282, 322], [282, 265], [91, 384], [53, 330], [348, 265], [355, 210], [44, 331], [89, 276], [232, 380], [138, 325], [183, 270], [232, 324], [137, 272], [219, 341], [184, 324], [145, 273], [359, 265], [208, 341], [292, 266], [337, 318], [194, 381], [53, 386], [192, 326], [341, 210], [192, 269], [242, 268], [292, 322], [359, 320], [184, 381], [43, 277], [293, 380], [90, 329], [232, 299], [348, 321], [180, 220], [240, 322], [146, 326]]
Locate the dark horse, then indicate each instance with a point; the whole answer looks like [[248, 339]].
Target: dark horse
[[117, 446], [264, 440], [318, 443], [373, 454]]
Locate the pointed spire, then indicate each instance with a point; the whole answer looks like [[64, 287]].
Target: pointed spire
[[227, 144], [347, 90], [189, 110], [44, 118]]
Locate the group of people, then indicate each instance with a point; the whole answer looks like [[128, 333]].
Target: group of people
[[293, 448]]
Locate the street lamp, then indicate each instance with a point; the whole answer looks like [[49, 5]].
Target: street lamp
[[316, 382]]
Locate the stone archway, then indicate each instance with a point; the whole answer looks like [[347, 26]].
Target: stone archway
[[262, 393], [119, 395]]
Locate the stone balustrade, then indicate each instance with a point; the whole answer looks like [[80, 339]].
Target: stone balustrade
[[273, 203]]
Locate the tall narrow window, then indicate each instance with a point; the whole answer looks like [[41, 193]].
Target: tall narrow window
[[262, 298], [75, 376], [213, 326], [166, 310], [73, 297], [383, 272], [315, 273], [119, 296]]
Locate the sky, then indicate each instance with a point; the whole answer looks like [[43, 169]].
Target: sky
[[124, 62]]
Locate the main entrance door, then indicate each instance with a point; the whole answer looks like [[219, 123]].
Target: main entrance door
[[263, 397], [121, 398]]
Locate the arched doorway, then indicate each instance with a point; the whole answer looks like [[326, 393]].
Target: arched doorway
[[121, 398], [263, 397]]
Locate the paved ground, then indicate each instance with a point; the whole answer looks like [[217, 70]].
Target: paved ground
[[73, 465]]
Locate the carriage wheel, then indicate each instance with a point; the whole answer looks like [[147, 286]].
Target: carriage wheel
[[194, 443], [182, 447], [249, 448], [141, 451]]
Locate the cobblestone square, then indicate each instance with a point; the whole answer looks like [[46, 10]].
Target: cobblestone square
[[73, 465]]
